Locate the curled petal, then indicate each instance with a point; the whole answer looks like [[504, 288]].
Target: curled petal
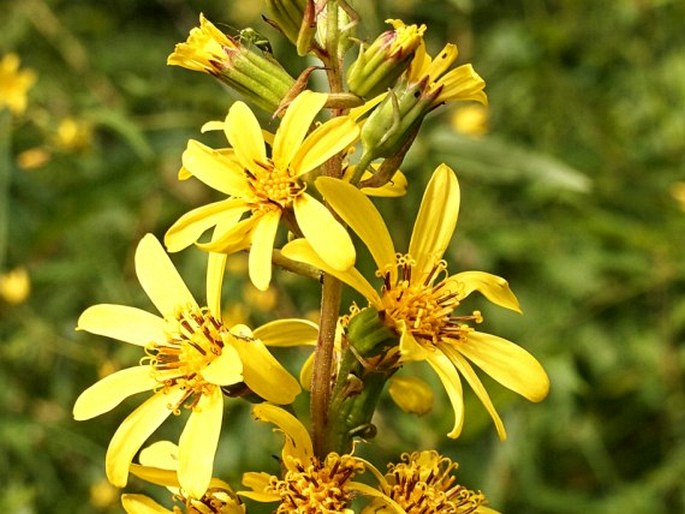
[[297, 441], [494, 288]]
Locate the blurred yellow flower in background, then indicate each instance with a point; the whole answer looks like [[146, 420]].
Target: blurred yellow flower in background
[[15, 286], [14, 84], [470, 120]]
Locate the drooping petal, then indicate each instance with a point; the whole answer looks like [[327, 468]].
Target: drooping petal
[[123, 323], [296, 122], [226, 369], [494, 288], [259, 261], [288, 332], [198, 442], [245, 135], [189, 227], [258, 482], [140, 504], [508, 363], [332, 137], [411, 394], [264, 374], [452, 384], [110, 391], [469, 374], [214, 168], [135, 430], [297, 444], [436, 220], [325, 234], [361, 215], [300, 250], [159, 278]]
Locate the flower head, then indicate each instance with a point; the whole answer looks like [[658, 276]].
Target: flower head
[[159, 465], [424, 483], [191, 359], [267, 188], [14, 84], [419, 300], [309, 485]]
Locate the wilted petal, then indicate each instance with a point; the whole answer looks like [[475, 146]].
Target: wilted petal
[[452, 384], [245, 135], [259, 261], [329, 139], [110, 391], [296, 123], [264, 374], [436, 220], [297, 444], [159, 278], [288, 332], [411, 394], [198, 442], [127, 324], [135, 430], [508, 363], [494, 288], [361, 215], [325, 234]]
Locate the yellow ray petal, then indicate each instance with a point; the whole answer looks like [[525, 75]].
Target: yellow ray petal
[[210, 126], [226, 369], [469, 374], [245, 135], [300, 250], [231, 238], [411, 394], [288, 332], [157, 476], [389, 505], [494, 288], [162, 455], [410, 349], [258, 482], [361, 215], [140, 504], [159, 278], [189, 227], [462, 83], [297, 444], [264, 374], [216, 169], [325, 234], [436, 220], [306, 373], [442, 61], [508, 363], [198, 442], [127, 324], [452, 384], [323, 143], [295, 124], [110, 391], [259, 261], [216, 266], [396, 187], [135, 430]]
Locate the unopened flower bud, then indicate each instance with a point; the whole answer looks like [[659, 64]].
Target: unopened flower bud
[[380, 65], [240, 63], [286, 16]]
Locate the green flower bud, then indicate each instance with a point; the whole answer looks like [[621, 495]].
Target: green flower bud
[[286, 16], [380, 65], [242, 63]]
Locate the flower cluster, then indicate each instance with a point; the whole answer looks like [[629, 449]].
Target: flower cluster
[[299, 198]]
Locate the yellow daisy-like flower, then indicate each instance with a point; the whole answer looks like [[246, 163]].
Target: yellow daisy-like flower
[[460, 83], [159, 465], [14, 84], [267, 188], [309, 485], [424, 483], [418, 298], [190, 356]]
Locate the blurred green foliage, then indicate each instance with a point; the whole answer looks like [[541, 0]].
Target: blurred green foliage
[[568, 196]]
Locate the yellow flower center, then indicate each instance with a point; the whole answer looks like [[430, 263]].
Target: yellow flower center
[[425, 304], [272, 186], [423, 484], [215, 500], [192, 344], [318, 488]]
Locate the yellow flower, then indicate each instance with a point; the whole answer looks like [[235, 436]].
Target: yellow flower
[[159, 465], [471, 120], [14, 84], [206, 48], [191, 360], [309, 485], [15, 286], [267, 188], [424, 483], [418, 298]]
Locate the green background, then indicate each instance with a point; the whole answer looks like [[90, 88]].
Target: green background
[[568, 196]]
